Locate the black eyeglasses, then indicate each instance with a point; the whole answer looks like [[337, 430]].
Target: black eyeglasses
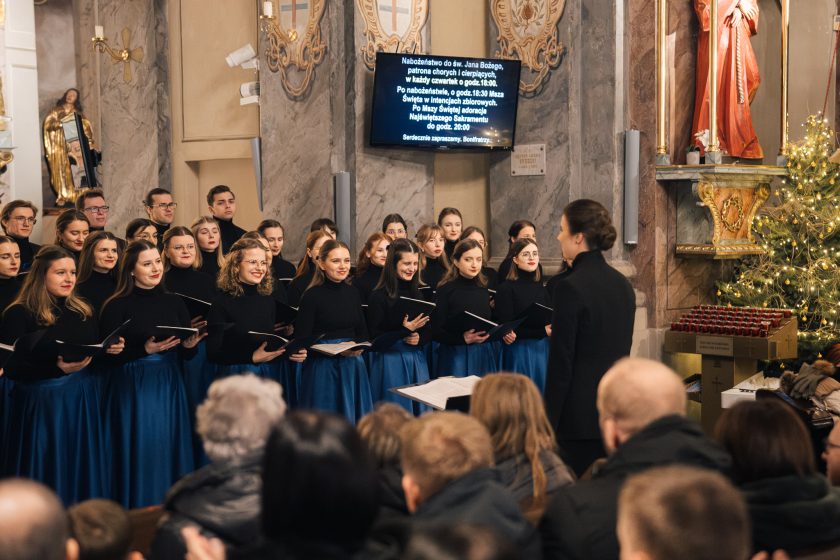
[[165, 205], [97, 209]]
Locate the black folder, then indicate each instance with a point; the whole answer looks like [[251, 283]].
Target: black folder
[[196, 307], [285, 313], [536, 315], [275, 342], [11, 354], [465, 321], [413, 307], [73, 352], [162, 332]]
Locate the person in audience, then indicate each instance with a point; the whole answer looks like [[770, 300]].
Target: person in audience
[[370, 263], [71, 229], [160, 208], [223, 498], [682, 512], [476, 233], [641, 408], [307, 266], [435, 263], [141, 229], [464, 288], [209, 240], [792, 506], [405, 362], [35, 525], [92, 204], [394, 227], [510, 407], [592, 327], [447, 461], [831, 452], [96, 277], [380, 431], [325, 224], [275, 235], [451, 222], [102, 530], [222, 205], [520, 229], [18, 217], [439, 541]]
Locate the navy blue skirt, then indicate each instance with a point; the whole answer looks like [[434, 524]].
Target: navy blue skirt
[[199, 373], [336, 384], [55, 435], [528, 356], [149, 429], [468, 359], [403, 364]]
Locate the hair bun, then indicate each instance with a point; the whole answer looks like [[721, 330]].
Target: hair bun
[[608, 237]]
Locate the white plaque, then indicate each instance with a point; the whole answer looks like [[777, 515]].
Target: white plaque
[[528, 159]]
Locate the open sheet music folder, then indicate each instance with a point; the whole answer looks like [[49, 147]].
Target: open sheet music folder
[[443, 393]]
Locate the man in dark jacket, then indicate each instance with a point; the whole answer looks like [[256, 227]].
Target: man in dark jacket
[[641, 406]]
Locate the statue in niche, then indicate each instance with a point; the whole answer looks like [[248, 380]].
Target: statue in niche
[[738, 77], [71, 155]]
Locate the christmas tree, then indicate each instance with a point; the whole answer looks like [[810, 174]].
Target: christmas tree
[[799, 230]]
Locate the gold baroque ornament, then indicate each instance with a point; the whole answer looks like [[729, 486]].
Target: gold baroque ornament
[[528, 32], [392, 26], [294, 42], [735, 201]]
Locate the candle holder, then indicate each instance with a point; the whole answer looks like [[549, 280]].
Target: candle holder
[[125, 55]]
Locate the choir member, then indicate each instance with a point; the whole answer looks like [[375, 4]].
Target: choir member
[[96, 280], [369, 265], [307, 265], [476, 233], [161, 210], [435, 263], [332, 307], [394, 226], [71, 229], [55, 431], [9, 287], [522, 289], [464, 289], [451, 221], [92, 203], [146, 403], [278, 290], [141, 229], [592, 327], [325, 224], [18, 218], [275, 234], [222, 205], [206, 232], [404, 363], [520, 229]]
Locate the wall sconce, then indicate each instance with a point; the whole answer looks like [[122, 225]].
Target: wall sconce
[[124, 55]]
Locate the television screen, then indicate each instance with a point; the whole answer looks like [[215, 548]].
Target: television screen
[[444, 102]]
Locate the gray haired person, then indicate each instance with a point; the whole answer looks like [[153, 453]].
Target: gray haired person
[[34, 523], [223, 498]]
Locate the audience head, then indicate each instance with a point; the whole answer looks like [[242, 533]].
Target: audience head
[[221, 202], [439, 448], [318, 483], [325, 224], [766, 440], [394, 226], [525, 258], [380, 430], [179, 248], [35, 525], [457, 542], [634, 393], [246, 265], [401, 264], [100, 253], [467, 260], [52, 276], [18, 218], [71, 229], [141, 229], [682, 512], [274, 234], [511, 408], [314, 241], [9, 258], [102, 529], [237, 416], [160, 206], [522, 229], [585, 226], [451, 221], [92, 204], [374, 252], [831, 453]]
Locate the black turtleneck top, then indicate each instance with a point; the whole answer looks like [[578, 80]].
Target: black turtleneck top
[[491, 276], [190, 282], [367, 281], [230, 233], [146, 309], [27, 252], [98, 287], [433, 272], [448, 247], [282, 268], [515, 296], [9, 288], [70, 326], [381, 315], [333, 308], [297, 286], [454, 297], [161, 229], [251, 311], [210, 264]]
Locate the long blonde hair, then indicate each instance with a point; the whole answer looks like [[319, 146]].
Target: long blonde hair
[[228, 280], [311, 239], [511, 407], [35, 298], [220, 257], [424, 234]]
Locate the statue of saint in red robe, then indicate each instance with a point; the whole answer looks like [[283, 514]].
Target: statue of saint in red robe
[[738, 76]]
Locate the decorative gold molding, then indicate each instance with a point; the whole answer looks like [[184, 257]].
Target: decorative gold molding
[[298, 46], [528, 32], [408, 41]]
